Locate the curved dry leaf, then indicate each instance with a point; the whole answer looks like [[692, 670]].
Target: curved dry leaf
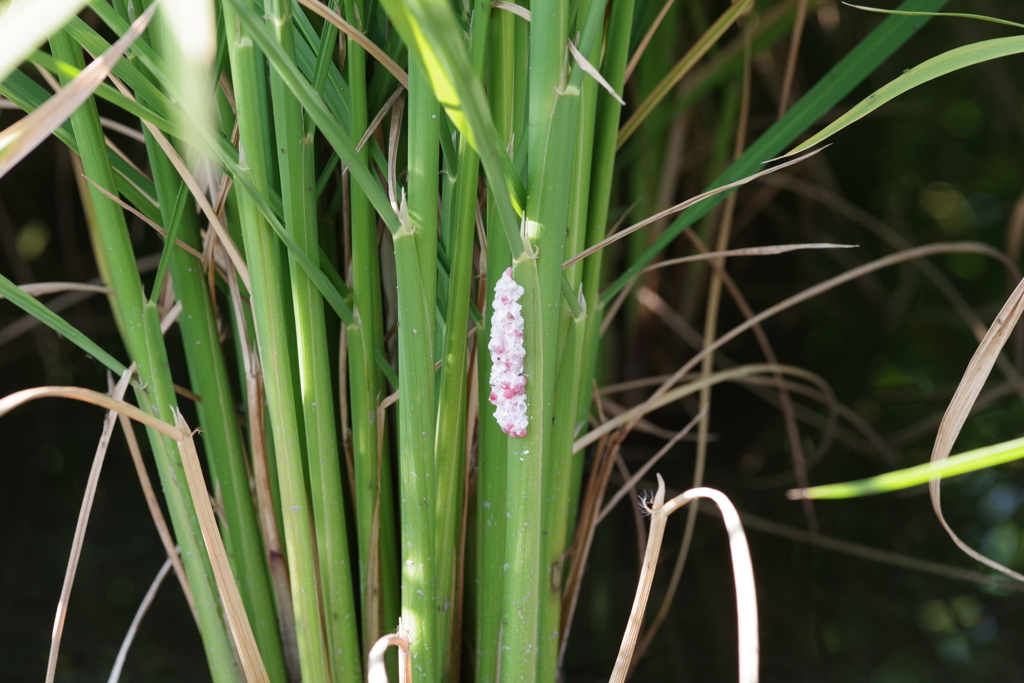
[[960, 407], [743, 578], [147, 600], [19, 398], [25, 24], [645, 41], [771, 250], [376, 670], [870, 554], [512, 7], [646, 467], [594, 73], [156, 513], [800, 297], [27, 323], [673, 395]]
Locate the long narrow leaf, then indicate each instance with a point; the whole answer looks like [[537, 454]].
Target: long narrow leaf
[[958, 15], [935, 67], [962, 463], [56, 323], [682, 67]]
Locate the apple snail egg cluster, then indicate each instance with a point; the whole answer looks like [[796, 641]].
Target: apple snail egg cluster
[[508, 384]]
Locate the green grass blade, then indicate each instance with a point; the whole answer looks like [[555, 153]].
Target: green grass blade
[[560, 467], [375, 524], [272, 315], [416, 481], [220, 434], [40, 312], [962, 463], [145, 345], [450, 444], [960, 58], [552, 117], [980, 17], [507, 94]]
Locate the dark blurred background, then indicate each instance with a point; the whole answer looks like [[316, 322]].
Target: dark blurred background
[[944, 162]]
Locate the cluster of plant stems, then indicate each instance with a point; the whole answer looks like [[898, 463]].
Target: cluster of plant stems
[[339, 186]]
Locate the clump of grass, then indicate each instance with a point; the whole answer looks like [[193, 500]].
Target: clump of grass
[[339, 188]]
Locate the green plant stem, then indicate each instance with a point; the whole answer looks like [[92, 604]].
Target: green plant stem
[[271, 314], [551, 122], [220, 436], [145, 345], [506, 94], [417, 481], [298, 194], [207, 371], [379, 594], [450, 449], [559, 465], [606, 127]]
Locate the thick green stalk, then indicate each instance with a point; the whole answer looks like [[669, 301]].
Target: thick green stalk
[[217, 417], [450, 448], [145, 345], [379, 598], [207, 371], [559, 466], [521, 604], [417, 487], [551, 123], [298, 194], [492, 450], [450, 444], [606, 128], [277, 355]]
